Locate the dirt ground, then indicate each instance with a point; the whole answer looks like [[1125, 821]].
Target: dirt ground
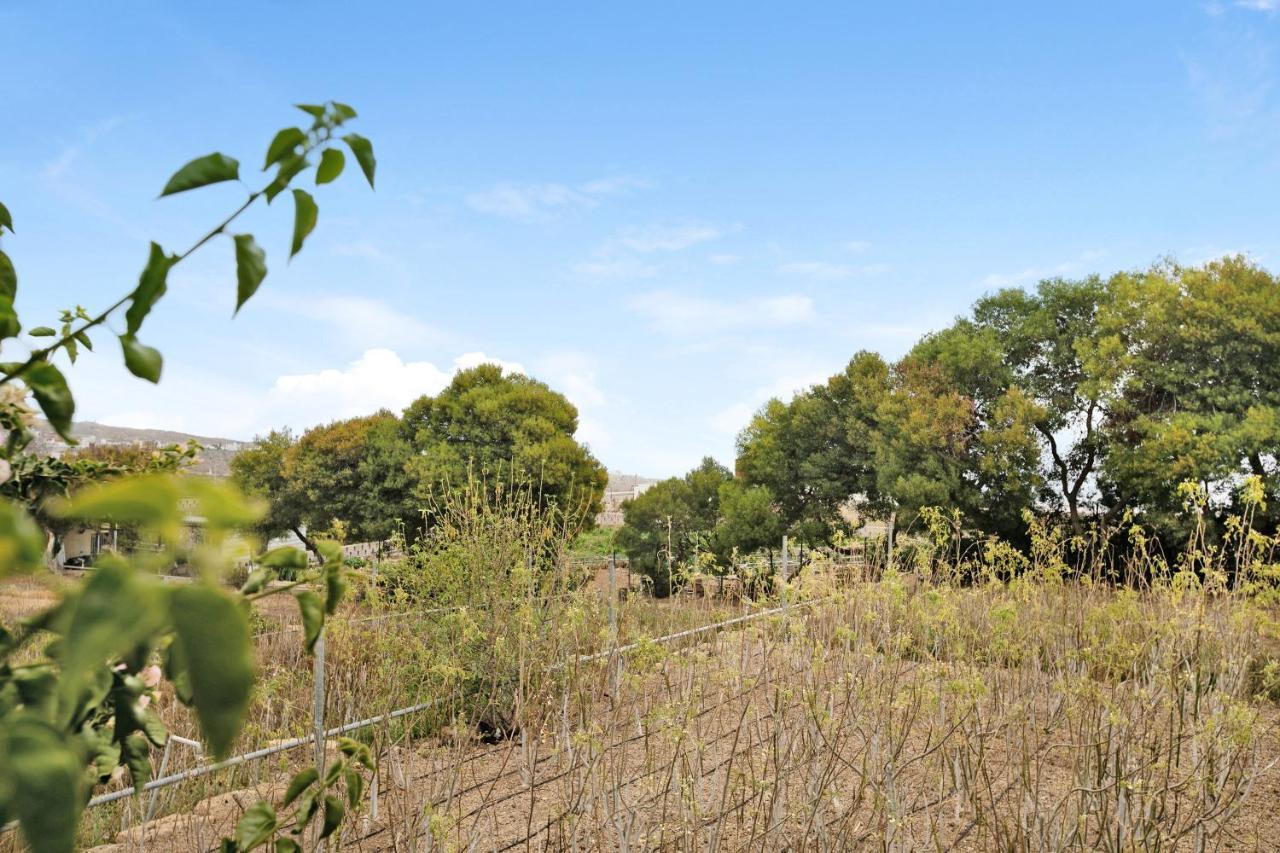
[[728, 746]]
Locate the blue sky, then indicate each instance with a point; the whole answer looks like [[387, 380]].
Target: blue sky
[[670, 212]]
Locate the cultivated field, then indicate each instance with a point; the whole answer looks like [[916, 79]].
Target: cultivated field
[[1037, 714]]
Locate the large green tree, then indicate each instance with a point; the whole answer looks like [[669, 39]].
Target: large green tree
[[501, 427], [1195, 353], [671, 520], [352, 472], [817, 452]]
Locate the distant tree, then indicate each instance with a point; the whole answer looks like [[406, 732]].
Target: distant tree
[[938, 446], [1195, 353], [1023, 355], [502, 427], [749, 519], [258, 470], [665, 524], [353, 472], [818, 452]]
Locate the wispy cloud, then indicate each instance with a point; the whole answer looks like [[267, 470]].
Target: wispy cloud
[[620, 256], [60, 165], [725, 259], [679, 314], [534, 201], [361, 321], [671, 237], [827, 271], [1031, 275], [857, 246]]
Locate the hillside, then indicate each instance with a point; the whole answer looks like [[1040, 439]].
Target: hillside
[[214, 461]]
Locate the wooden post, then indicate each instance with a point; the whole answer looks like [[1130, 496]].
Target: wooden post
[[614, 661], [317, 712]]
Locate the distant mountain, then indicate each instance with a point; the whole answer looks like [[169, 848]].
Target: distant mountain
[[214, 461]]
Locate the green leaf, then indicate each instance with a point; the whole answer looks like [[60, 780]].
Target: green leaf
[[333, 813], [256, 825], [202, 171], [151, 286], [335, 586], [299, 783], [251, 268], [363, 151], [287, 845], [136, 752], [331, 551], [21, 541], [9, 325], [284, 557], [114, 611], [313, 110], [8, 277], [84, 341], [143, 361], [47, 775], [331, 162], [312, 611], [42, 332], [257, 581], [6, 221], [286, 173], [304, 219], [355, 786], [306, 810], [214, 635], [343, 111], [50, 389], [149, 501], [283, 145]]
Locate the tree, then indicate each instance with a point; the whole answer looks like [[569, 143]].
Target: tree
[[498, 427], [947, 438], [1195, 353], [818, 452], [1036, 344], [663, 527], [749, 520], [353, 472], [258, 471]]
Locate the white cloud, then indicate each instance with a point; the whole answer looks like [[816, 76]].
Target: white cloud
[[677, 314], [724, 260], [362, 322], [827, 271], [58, 167], [616, 258], [670, 237], [604, 266], [468, 360], [1259, 5], [359, 249], [379, 379], [1031, 275], [732, 419], [532, 202]]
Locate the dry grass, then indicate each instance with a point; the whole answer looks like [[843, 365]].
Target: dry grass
[[1030, 716]]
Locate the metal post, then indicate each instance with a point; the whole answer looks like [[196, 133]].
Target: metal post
[[317, 710], [613, 625], [782, 587]]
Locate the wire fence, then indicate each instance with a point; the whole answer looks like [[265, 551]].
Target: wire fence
[[321, 734]]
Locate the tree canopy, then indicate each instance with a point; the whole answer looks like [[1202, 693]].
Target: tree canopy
[[368, 475]]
